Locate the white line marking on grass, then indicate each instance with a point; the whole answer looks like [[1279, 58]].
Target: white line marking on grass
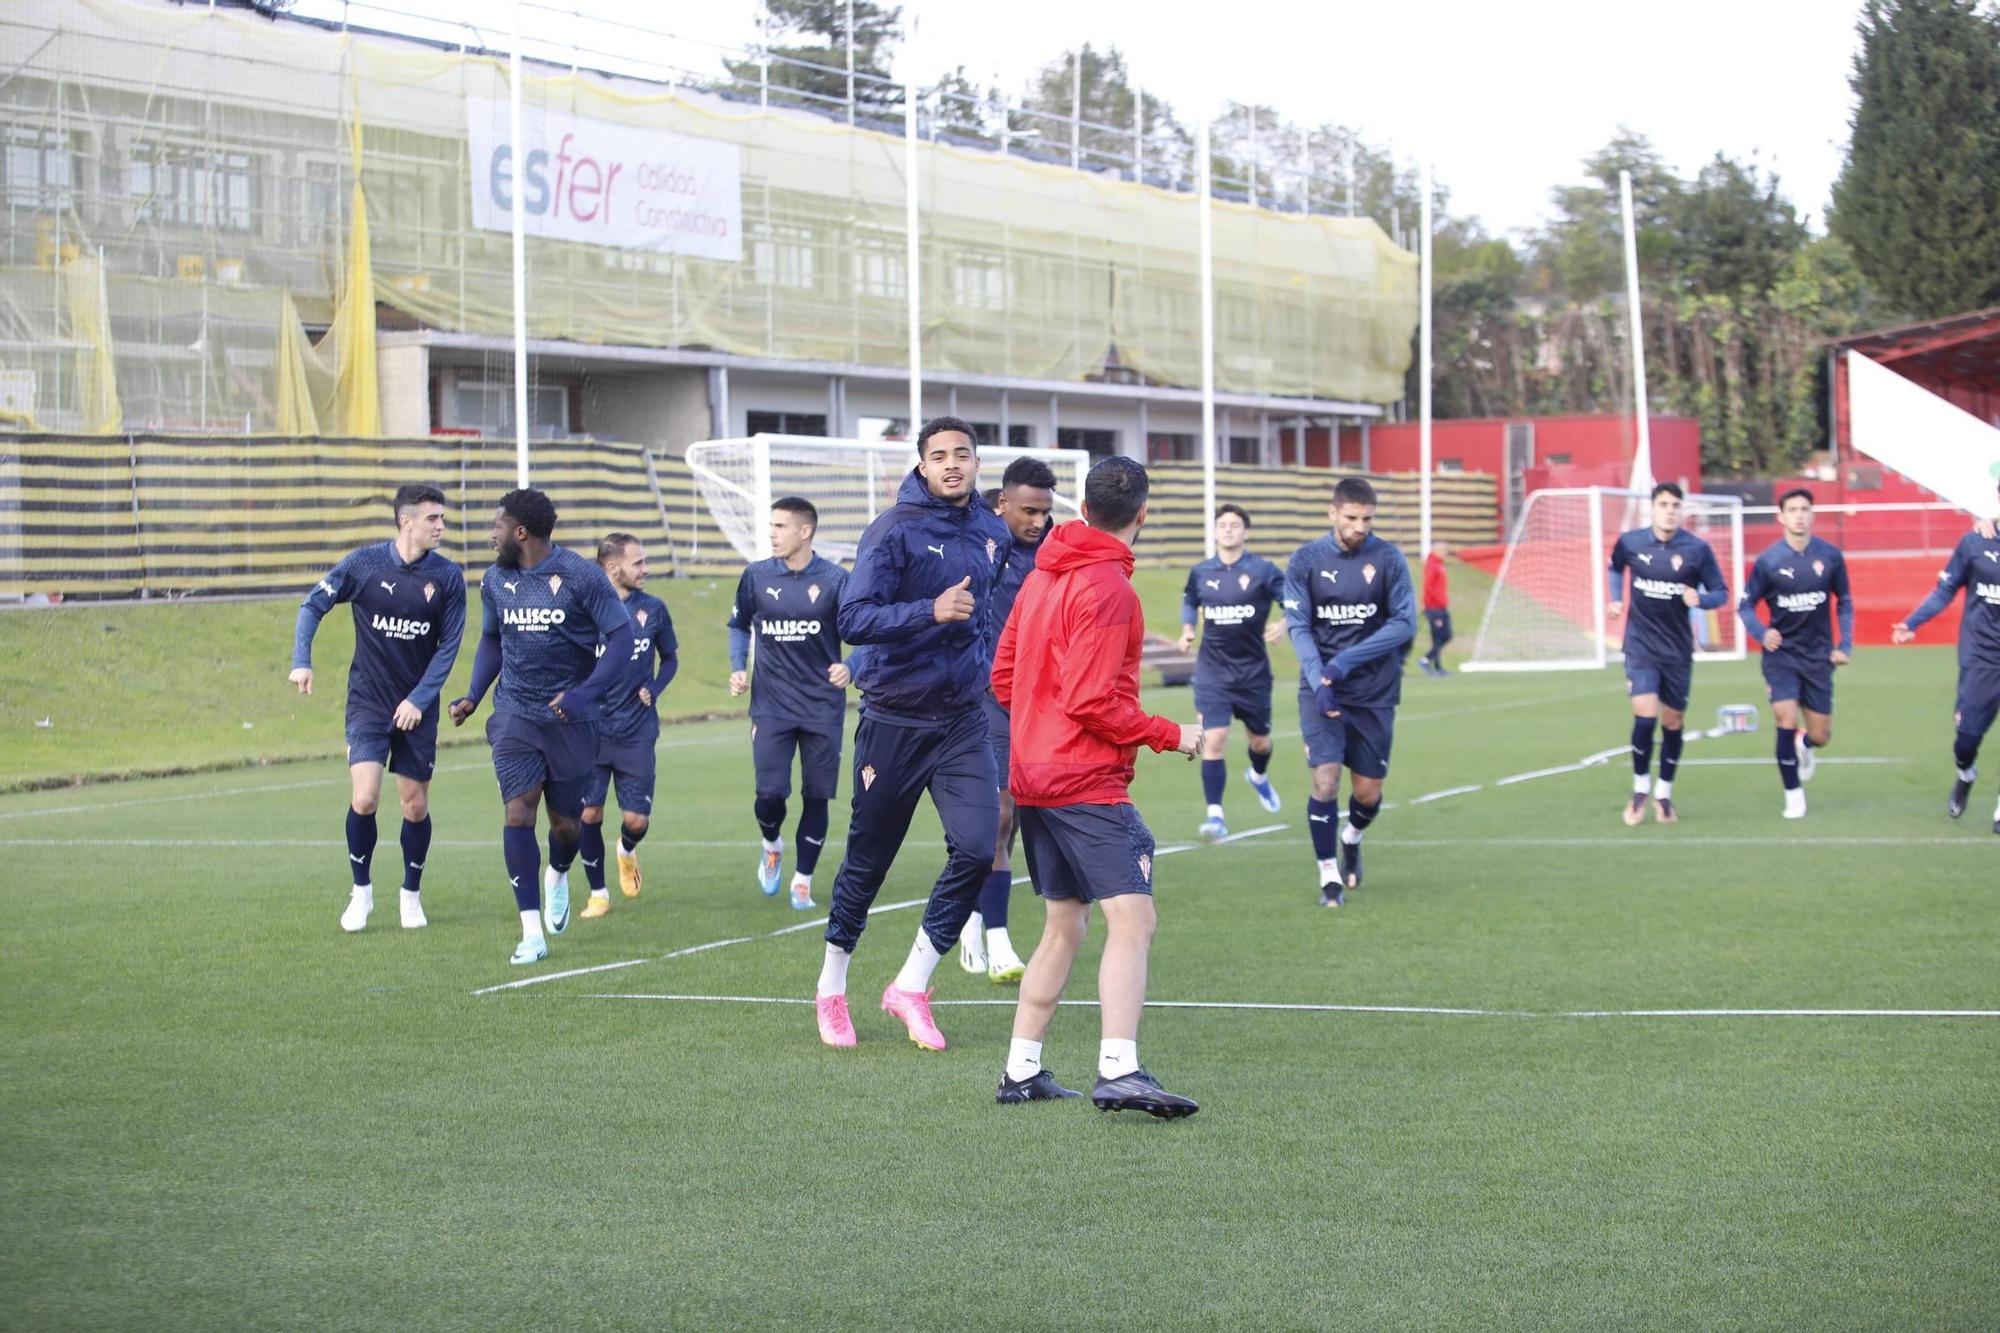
[[1233, 837], [325, 842], [1767, 759], [1440, 795], [1961, 840]]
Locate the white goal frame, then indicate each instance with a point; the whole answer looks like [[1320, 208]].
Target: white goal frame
[[1599, 637]]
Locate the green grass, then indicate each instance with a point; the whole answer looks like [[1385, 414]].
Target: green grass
[[220, 1111]]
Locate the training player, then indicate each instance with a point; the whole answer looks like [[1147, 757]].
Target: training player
[[790, 604], [556, 637], [1067, 670], [1794, 579], [629, 727], [1231, 593], [1023, 502], [409, 614], [1350, 609], [918, 602], [1974, 566], [1672, 571]]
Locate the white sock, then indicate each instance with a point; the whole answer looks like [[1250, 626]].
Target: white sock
[[998, 943], [1116, 1057], [1350, 834], [1642, 783], [917, 968], [531, 926], [806, 880], [1329, 872], [1215, 812], [1664, 790], [601, 893], [773, 845], [975, 929], [1968, 775], [1024, 1059], [833, 972]]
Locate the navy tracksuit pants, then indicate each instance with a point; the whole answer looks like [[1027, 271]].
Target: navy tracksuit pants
[[895, 763]]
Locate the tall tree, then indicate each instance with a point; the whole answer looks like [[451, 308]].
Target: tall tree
[[1918, 201], [1101, 84], [814, 34]]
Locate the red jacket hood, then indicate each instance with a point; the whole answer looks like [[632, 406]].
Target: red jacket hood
[[1075, 544]]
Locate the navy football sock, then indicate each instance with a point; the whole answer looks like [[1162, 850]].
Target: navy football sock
[[1323, 821], [1642, 745], [770, 811], [811, 835], [561, 853], [1965, 750], [416, 850], [629, 838], [1360, 816], [360, 846], [1670, 752], [993, 896], [1214, 774], [1260, 760], [1788, 758], [524, 866], [591, 848]]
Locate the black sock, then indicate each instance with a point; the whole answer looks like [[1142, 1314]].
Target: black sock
[[1964, 749], [1642, 746], [770, 812], [416, 850], [1323, 822], [360, 846], [1214, 774], [629, 838], [993, 896], [560, 853], [524, 866], [590, 848], [813, 823], [1360, 816], [1807, 741], [1788, 758], [1260, 761], [1670, 752]]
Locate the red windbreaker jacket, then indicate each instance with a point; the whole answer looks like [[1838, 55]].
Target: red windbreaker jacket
[[1435, 596], [1067, 672]]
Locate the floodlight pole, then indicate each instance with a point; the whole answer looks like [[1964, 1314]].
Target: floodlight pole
[[1642, 456], [1424, 358], [519, 157], [912, 258], [1203, 169]]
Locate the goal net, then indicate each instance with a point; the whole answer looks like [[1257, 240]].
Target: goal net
[[848, 481], [1547, 610]]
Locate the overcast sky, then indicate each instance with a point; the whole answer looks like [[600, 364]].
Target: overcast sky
[[1505, 99]]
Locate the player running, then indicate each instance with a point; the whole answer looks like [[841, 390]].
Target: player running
[[790, 604], [1231, 594], [409, 615], [918, 601], [1672, 570], [1794, 579], [545, 610], [1975, 567], [1067, 670], [1023, 502], [1350, 609], [629, 728]]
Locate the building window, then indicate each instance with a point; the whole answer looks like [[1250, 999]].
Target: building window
[[786, 423], [783, 257], [180, 186], [878, 270], [979, 282], [1097, 443], [1246, 449], [1165, 447], [38, 169], [985, 433], [1451, 465], [487, 406]]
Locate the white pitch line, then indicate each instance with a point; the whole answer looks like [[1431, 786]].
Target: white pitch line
[[332, 842], [1440, 795], [1232, 837], [1613, 840], [1832, 759]]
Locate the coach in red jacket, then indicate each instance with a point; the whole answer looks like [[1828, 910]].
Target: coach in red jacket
[[1067, 671], [1437, 610]]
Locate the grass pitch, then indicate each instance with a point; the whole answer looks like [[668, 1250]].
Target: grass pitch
[[220, 1111]]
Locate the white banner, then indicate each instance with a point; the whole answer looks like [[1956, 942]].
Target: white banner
[[605, 183], [1935, 443]]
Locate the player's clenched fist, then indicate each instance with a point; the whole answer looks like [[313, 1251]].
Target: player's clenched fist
[[1190, 740], [460, 710], [1773, 641], [303, 678], [954, 603], [739, 681]]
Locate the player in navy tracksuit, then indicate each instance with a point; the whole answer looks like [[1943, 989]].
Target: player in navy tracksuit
[[1796, 579], [1351, 610], [629, 729], [1231, 594], [1672, 570], [919, 602], [1023, 501], [545, 612], [409, 615], [1975, 567], [790, 605]]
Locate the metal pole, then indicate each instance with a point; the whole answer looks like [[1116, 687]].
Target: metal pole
[[1424, 358], [1253, 157], [519, 156], [912, 253], [850, 62], [1076, 112], [1202, 187], [1642, 457], [1139, 135]]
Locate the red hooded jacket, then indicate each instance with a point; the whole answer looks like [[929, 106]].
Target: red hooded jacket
[[1067, 672], [1435, 596]]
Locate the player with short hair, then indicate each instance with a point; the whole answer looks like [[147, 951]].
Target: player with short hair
[[1067, 671], [1673, 571], [1795, 579], [790, 606], [1437, 609], [1231, 594], [919, 602], [1023, 501], [556, 637], [1975, 567], [1351, 610], [629, 728], [409, 616]]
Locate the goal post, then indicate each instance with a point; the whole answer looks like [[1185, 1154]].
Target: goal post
[[1547, 610], [848, 481]]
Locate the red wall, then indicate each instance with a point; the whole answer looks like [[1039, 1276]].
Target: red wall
[[1599, 448]]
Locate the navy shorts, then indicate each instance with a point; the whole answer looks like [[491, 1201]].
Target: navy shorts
[[998, 737], [1218, 704], [1085, 853], [772, 745], [1978, 699], [555, 756], [1359, 739], [635, 763], [373, 739], [1669, 680], [1810, 685]]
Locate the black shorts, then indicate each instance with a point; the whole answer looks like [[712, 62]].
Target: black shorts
[[1671, 681], [1978, 699], [635, 764], [374, 739], [1810, 685], [555, 756], [772, 745], [1359, 739], [1218, 704], [998, 736], [1085, 853]]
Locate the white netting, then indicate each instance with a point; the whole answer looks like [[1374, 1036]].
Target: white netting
[[848, 481], [1547, 608]]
